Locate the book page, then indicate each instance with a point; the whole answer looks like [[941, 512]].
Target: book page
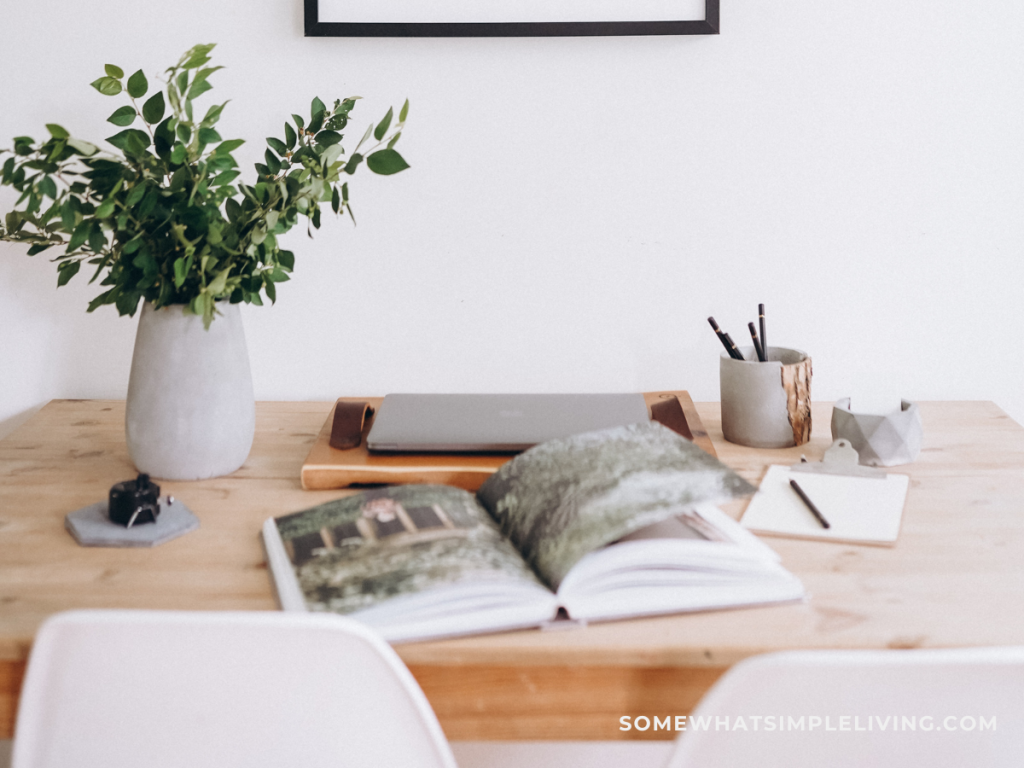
[[564, 498], [354, 553]]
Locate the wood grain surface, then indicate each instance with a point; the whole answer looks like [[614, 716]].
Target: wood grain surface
[[955, 577]]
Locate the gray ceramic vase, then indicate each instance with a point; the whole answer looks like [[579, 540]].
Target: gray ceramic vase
[[766, 405], [191, 412], [885, 440]]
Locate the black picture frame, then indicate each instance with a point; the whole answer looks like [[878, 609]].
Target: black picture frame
[[316, 28]]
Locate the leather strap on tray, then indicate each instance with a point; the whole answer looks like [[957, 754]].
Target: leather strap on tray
[[349, 420]]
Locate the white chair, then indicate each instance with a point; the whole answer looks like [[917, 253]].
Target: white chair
[[883, 708], [155, 689]]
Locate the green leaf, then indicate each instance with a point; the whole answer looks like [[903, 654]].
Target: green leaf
[[298, 121], [108, 86], [103, 298], [335, 199], [277, 145], [127, 303], [289, 135], [271, 291], [330, 155], [213, 113], [48, 188], [224, 178], [272, 162], [208, 136], [316, 106], [180, 178], [328, 138], [233, 209], [135, 195], [145, 262], [78, 237], [353, 163], [228, 146], [219, 283], [83, 148], [316, 123], [67, 214], [286, 259], [153, 109], [138, 85], [178, 153], [394, 139], [148, 203], [39, 248], [122, 116], [127, 140], [197, 56], [382, 126], [369, 130], [57, 132], [97, 240], [132, 245], [199, 87], [179, 272], [106, 209], [113, 71], [276, 275], [386, 162], [404, 113], [66, 271]]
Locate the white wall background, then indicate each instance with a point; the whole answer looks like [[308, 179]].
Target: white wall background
[[576, 208]]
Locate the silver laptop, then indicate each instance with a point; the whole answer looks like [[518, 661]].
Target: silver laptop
[[494, 423]]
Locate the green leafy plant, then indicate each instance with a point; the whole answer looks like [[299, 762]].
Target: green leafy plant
[[163, 219]]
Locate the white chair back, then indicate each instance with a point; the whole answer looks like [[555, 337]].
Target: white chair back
[[124, 689], [862, 708]]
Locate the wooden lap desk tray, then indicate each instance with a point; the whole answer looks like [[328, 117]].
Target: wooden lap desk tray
[[954, 579]]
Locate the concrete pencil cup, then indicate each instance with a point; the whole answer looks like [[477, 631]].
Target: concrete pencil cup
[[766, 405]]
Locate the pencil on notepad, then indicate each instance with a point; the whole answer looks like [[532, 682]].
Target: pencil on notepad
[[810, 504]]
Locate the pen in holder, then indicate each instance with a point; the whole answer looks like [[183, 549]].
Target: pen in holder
[[766, 405]]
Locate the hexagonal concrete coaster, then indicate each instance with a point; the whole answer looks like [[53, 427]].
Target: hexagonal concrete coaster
[[92, 528]]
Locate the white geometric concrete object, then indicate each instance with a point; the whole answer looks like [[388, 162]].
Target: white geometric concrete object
[[881, 440]]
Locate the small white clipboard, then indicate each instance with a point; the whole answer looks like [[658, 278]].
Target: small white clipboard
[[862, 507]]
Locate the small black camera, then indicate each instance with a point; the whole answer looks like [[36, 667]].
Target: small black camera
[[134, 502]]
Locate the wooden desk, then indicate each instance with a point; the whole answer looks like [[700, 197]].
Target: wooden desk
[[956, 577]]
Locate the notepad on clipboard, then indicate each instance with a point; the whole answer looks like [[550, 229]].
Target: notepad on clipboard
[[860, 510]]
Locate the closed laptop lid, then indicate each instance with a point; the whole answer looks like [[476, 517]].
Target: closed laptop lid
[[495, 423]]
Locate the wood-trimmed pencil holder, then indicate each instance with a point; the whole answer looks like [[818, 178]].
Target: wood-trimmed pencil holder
[[766, 405]]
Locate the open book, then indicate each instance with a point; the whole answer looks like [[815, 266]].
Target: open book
[[604, 525]]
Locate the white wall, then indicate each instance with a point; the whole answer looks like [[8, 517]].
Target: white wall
[[576, 208]]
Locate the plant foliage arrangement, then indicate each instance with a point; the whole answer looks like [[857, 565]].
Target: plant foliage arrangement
[[163, 219]]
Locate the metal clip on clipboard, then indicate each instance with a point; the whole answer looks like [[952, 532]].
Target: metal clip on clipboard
[[840, 458]]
